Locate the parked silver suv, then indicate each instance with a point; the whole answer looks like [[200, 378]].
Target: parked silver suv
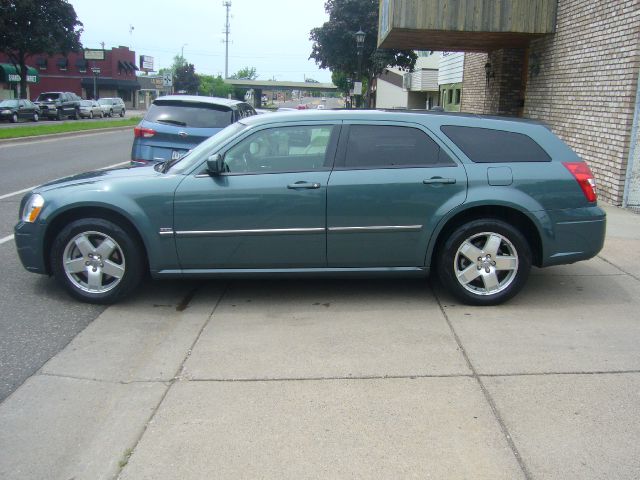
[[112, 106]]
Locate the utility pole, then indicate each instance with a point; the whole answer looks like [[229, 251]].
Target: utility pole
[[227, 30]]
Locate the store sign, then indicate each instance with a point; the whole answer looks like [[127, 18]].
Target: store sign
[[94, 54], [146, 63], [12, 77]]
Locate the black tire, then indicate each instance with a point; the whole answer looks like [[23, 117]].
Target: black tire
[[14, 118], [59, 114], [126, 258], [110, 113], [35, 117], [76, 114], [491, 278], [122, 113], [90, 114]]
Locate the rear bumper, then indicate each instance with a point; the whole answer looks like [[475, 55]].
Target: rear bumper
[[573, 235]]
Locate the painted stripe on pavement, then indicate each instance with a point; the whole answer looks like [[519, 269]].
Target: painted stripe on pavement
[[6, 239], [25, 190]]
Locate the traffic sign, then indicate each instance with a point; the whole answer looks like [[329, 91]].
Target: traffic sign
[[167, 80], [95, 70]]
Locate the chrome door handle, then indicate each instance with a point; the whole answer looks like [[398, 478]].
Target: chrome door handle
[[297, 185], [439, 180]]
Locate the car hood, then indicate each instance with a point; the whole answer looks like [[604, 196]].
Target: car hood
[[97, 176]]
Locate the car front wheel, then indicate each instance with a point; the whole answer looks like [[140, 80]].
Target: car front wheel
[[97, 261], [35, 117], [14, 118], [122, 112], [484, 262]]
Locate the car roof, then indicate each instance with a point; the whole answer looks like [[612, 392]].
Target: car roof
[[198, 99], [425, 117]]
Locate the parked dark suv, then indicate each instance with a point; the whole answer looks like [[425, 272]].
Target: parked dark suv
[[478, 200], [59, 105], [176, 123]]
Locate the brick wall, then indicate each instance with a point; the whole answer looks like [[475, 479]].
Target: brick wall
[[474, 86], [581, 81]]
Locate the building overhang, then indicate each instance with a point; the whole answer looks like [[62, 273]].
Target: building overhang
[[9, 74], [464, 25]]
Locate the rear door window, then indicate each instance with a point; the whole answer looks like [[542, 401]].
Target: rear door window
[[485, 145], [387, 146], [189, 115]]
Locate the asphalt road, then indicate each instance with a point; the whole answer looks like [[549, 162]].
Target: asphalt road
[[37, 319]]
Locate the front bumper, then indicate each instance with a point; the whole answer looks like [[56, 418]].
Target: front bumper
[[29, 243]]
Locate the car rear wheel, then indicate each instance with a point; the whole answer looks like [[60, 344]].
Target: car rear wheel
[[111, 113], [14, 118], [122, 112], [484, 262], [97, 261], [59, 114], [76, 114], [90, 114]]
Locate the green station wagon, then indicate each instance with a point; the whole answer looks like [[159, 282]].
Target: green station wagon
[[476, 199]]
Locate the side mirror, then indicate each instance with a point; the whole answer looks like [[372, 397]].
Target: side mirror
[[215, 164]]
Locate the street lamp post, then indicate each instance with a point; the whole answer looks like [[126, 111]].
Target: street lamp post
[[96, 72], [358, 84]]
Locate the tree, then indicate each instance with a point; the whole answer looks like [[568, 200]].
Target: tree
[[213, 86], [185, 79], [334, 44], [29, 27], [246, 73]]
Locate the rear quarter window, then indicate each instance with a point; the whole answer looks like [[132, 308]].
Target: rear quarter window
[[485, 145], [386, 146], [189, 115]]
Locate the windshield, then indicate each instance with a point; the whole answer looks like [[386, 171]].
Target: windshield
[[9, 103], [104, 101], [86, 103], [183, 114], [206, 148], [43, 97]]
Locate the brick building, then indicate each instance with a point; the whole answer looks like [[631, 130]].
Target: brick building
[[75, 73], [572, 64]]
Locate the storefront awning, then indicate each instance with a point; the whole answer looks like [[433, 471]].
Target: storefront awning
[[9, 74], [87, 82]]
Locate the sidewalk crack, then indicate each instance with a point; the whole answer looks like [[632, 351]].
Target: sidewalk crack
[[619, 268], [485, 392]]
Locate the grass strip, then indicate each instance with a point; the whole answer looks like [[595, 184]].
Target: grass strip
[[78, 126]]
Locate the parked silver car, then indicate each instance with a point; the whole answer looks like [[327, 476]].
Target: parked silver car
[[112, 106], [90, 109]]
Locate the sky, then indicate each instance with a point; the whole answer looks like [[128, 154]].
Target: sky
[[270, 35]]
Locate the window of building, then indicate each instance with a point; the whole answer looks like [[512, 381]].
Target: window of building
[[456, 96], [283, 149], [41, 63], [385, 146], [62, 63], [484, 145], [81, 64]]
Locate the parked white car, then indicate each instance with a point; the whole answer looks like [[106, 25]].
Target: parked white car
[[112, 106], [90, 109]]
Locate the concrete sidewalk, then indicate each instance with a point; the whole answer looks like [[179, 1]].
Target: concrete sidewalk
[[346, 379]]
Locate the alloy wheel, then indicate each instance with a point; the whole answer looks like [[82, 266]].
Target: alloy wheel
[[486, 263], [94, 262]]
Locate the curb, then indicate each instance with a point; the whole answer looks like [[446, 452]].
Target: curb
[[64, 134]]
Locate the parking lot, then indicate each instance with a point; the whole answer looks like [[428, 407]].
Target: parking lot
[[346, 379]]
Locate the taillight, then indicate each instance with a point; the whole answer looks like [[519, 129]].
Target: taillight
[[140, 132], [585, 179]]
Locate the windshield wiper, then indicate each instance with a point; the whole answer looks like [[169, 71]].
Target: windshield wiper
[[172, 122]]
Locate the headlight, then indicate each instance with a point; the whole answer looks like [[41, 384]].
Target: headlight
[[32, 208], [6, 111]]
